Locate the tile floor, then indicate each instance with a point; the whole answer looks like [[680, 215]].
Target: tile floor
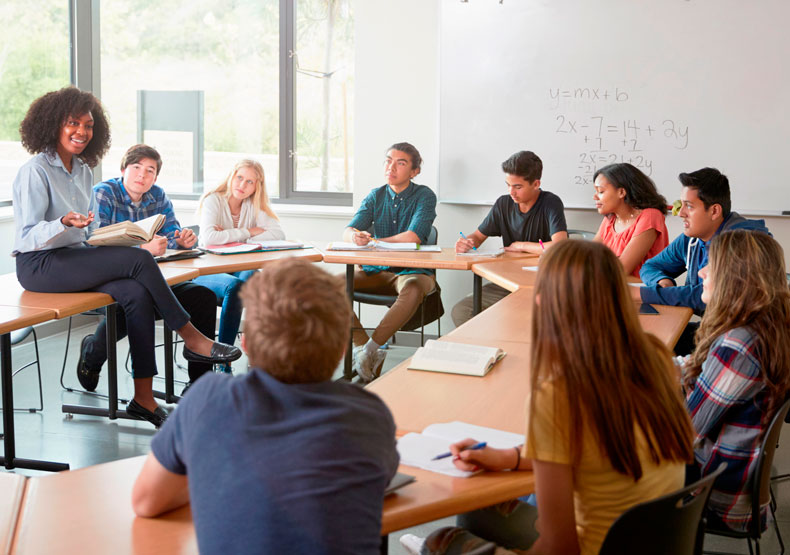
[[85, 440]]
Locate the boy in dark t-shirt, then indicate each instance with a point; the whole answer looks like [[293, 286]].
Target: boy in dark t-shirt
[[281, 459], [524, 218]]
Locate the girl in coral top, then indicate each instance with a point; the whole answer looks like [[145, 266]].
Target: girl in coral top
[[633, 226]]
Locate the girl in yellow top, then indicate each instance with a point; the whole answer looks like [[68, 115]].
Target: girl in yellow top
[[606, 426]]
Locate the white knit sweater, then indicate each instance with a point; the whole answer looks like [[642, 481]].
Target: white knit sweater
[[215, 211]]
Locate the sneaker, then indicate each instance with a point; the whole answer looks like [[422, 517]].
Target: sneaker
[[368, 367], [223, 368], [88, 377], [412, 544]]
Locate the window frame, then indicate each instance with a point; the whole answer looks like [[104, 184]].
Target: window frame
[[84, 26]]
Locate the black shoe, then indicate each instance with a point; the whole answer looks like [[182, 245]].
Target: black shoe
[[220, 353], [88, 377], [157, 417]]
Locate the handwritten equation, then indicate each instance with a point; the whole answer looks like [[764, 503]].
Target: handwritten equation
[[586, 94]]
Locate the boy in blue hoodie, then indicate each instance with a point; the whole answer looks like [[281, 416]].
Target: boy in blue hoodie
[[706, 212]]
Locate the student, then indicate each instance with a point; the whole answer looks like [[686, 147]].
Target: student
[[238, 210], [401, 212], [68, 133], [133, 197], [633, 226], [605, 426], [705, 210], [297, 463], [739, 374], [523, 217]]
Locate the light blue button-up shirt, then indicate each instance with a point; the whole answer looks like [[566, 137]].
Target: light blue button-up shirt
[[43, 192]]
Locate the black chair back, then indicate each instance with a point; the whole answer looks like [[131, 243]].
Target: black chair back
[[669, 524], [761, 484]]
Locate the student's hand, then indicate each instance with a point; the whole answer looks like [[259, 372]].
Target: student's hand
[[487, 458], [464, 245], [255, 231], [75, 219], [218, 228], [517, 246], [361, 238], [186, 238], [156, 246], [666, 282]]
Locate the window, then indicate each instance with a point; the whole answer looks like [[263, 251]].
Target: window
[[34, 59], [270, 80]]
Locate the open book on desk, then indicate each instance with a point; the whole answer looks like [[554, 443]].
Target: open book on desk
[[455, 358], [489, 253], [178, 254], [419, 449], [260, 246], [127, 234], [383, 246]]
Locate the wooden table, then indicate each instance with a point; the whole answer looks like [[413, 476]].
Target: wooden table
[[228, 263], [12, 488], [447, 259], [509, 274], [13, 318], [89, 511]]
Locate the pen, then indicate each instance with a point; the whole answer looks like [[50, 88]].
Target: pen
[[540, 242], [473, 248], [474, 447]]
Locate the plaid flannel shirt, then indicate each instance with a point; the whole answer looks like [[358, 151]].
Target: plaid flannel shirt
[[414, 209], [727, 407], [112, 204]]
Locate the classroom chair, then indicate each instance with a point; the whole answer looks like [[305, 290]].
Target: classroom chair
[[18, 337], [672, 523], [430, 309], [580, 234], [760, 487]]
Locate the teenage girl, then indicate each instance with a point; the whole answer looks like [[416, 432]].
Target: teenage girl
[[605, 426], [739, 373], [237, 210], [68, 133], [633, 226]]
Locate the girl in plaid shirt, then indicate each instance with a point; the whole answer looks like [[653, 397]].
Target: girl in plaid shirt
[[737, 376]]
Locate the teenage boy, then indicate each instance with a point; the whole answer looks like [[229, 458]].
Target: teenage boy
[[705, 209], [523, 218], [403, 212], [296, 462], [132, 197]]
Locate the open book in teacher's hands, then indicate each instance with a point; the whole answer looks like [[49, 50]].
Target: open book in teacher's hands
[[379, 245], [455, 358], [420, 450], [127, 234]]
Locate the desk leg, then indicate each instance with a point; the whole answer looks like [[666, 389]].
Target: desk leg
[[477, 295], [170, 395], [10, 460], [112, 411], [347, 372], [384, 548]]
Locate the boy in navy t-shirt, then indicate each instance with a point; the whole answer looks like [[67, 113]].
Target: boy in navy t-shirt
[[281, 459], [527, 218]]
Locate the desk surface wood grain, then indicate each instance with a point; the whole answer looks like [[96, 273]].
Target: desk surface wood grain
[[221, 264], [445, 260]]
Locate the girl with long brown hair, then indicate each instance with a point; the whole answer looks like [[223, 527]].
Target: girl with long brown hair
[[739, 373], [605, 427]]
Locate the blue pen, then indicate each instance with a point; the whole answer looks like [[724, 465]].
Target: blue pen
[[474, 447], [474, 249]]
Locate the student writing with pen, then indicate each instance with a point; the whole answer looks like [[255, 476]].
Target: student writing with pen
[[528, 219], [399, 212]]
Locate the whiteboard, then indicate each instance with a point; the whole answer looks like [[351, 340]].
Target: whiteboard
[[669, 85]]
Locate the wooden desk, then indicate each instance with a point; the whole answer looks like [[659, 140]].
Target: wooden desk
[[89, 511], [12, 488], [508, 273], [13, 318], [445, 260], [508, 320], [222, 264]]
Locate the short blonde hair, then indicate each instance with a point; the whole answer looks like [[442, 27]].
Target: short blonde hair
[[297, 322]]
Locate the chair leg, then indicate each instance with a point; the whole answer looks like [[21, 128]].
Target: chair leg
[[38, 370], [776, 527], [422, 322]]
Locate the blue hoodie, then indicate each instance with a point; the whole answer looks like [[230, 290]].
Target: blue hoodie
[[686, 254]]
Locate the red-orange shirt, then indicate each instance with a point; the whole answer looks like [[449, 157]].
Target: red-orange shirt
[[649, 218]]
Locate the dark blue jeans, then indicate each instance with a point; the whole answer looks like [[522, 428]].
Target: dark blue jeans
[[226, 288], [197, 300], [128, 274]]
